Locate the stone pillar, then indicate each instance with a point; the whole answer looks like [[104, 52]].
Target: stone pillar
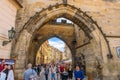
[[21, 49], [110, 77], [90, 76], [109, 72], [19, 69]]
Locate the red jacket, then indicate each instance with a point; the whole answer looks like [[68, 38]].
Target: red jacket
[[61, 68], [2, 67]]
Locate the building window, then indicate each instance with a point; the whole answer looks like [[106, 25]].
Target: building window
[[118, 51]]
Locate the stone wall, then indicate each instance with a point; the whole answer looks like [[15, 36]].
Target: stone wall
[[64, 32], [105, 13]]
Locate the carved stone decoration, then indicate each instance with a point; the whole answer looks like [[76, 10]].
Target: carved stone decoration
[[64, 1]]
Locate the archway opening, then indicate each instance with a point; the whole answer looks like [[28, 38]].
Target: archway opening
[[53, 51], [79, 41]]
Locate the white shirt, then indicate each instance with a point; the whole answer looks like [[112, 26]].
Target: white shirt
[[2, 76], [10, 75], [53, 69]]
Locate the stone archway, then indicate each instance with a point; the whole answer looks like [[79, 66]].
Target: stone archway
[[48, 31], [41, 50], [86, 23]]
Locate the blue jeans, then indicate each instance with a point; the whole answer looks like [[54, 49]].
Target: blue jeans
[[53, 76]]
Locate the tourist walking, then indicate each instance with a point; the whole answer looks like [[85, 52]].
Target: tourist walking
[[53, 72], [46, 72], [78, 74], [30, 73], [2, 65], [64, 74], [35, 68], [10, 73], [5, 70], [61, 70], [42, 71], [70, 73], [57, 72], [38, 70]]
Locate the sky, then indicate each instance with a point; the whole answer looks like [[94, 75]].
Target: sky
[[59, 20], [57, 43]]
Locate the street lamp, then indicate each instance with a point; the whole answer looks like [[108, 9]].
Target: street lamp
[[11, 34]]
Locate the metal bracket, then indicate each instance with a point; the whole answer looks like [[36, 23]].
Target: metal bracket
[[5, 42], [110, 56]]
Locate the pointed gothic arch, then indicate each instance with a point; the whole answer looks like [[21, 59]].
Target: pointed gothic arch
[[85, 22]]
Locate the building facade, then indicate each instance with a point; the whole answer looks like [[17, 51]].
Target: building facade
[[48, 54], [8, 11]]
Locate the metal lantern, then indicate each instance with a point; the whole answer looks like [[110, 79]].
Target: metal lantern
[[11, 33]]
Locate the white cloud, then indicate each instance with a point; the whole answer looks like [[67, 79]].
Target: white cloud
[[57, 44]]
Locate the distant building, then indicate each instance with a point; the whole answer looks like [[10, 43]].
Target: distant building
[[67, 53], [48, 54]]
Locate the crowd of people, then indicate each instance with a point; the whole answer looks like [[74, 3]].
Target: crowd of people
[[53, 71], [6, 71]]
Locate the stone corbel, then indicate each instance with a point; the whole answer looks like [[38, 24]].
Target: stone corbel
[[14, 55]]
